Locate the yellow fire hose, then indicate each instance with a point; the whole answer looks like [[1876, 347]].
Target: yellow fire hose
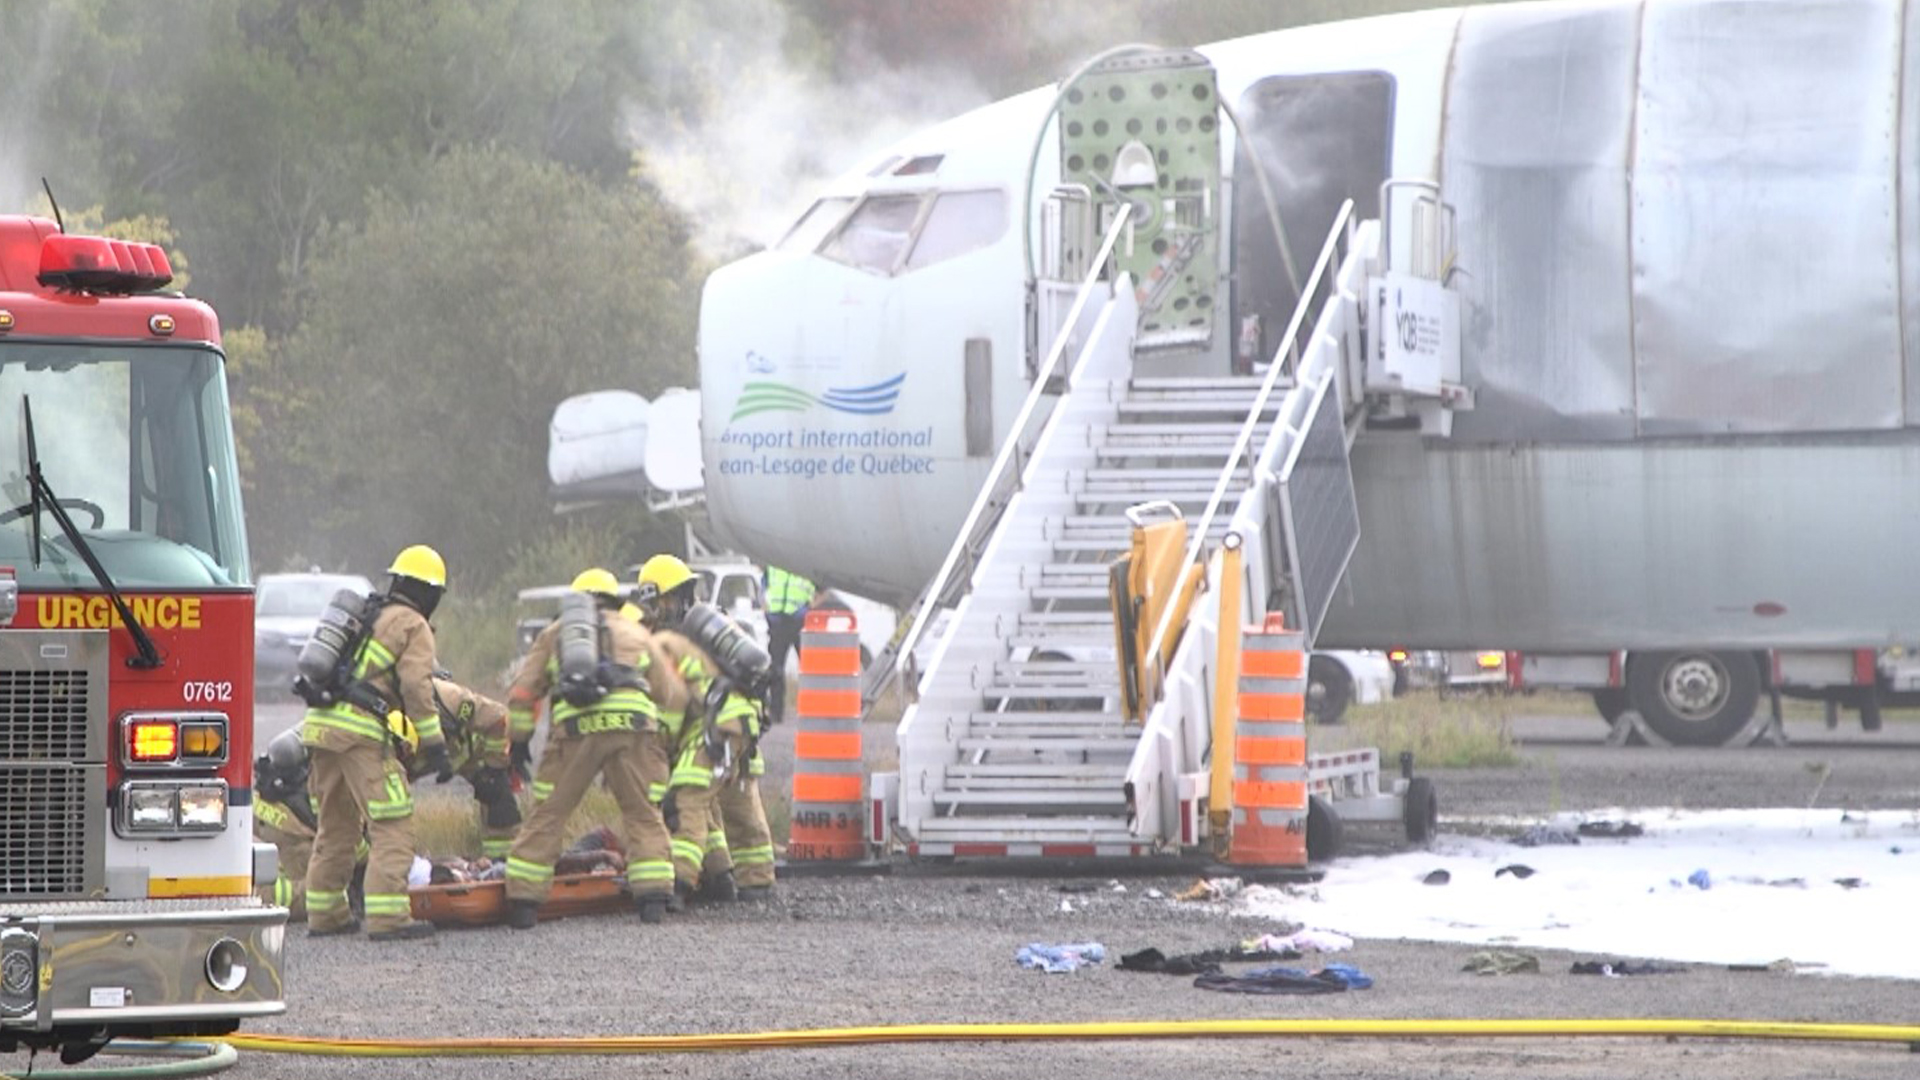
[[1120, 1029]]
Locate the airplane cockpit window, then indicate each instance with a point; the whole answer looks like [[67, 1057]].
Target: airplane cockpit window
[[960, 221], [815, 224], [877, 234]]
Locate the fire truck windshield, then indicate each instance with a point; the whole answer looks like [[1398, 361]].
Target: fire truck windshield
[[136, 442]]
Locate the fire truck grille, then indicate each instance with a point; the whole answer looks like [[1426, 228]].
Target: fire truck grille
[[44, 829], [47, 715]]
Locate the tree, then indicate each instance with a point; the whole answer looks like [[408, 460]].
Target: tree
[[439, 337]]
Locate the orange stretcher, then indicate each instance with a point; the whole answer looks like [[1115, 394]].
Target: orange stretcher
[[484, 903]]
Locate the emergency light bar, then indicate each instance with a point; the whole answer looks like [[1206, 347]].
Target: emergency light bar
[[97, 264]]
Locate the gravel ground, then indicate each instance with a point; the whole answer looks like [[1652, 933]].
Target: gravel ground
[[936, 946]]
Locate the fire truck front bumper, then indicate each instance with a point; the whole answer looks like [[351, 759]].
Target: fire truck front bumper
[[139, 967]]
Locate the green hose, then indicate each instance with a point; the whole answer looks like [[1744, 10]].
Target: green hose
[[191, 1059]]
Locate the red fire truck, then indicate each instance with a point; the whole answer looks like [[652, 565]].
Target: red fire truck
[[127, 863]]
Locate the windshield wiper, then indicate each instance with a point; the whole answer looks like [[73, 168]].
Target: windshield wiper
[[42, 496]]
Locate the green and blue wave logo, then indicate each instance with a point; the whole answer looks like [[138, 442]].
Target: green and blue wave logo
[[875, 400]]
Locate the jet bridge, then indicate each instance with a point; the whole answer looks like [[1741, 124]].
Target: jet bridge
[[1031, 732]]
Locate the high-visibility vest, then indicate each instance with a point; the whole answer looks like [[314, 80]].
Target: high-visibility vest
[[787, 592]]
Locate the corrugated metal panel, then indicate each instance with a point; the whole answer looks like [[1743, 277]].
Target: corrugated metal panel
[[1539, 121], [1766, 275], [1910, 212]]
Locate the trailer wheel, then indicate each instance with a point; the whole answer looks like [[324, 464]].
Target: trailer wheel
[[1323, 830], [1694, 697], [1421, 809], [1329, 688]]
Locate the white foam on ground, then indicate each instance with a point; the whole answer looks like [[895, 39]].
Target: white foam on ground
[[1630, 898]]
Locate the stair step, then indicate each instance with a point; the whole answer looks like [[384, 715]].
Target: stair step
[[1168, 476], [1069, 592], [1062, 639], [1105, 727], [1190, 429], [1122, 744], [1202, 407], [1055, 671], [1077, 692], [999, 771], [1057, 830], [1077, 799], [1250, 384]]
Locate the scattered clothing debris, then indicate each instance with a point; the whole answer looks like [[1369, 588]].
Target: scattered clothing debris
[[1611, 830], [1332, 979], [1848, 882], [1212, 889], [420, 873], [1066, 907], [1699, 879], [1546, 836], [1115, 886], [1300, 941], [1056, 958], [1518, 870], [1615, 968], [1502, 962], [1153, 960], [1436, 877], [1155, 894]]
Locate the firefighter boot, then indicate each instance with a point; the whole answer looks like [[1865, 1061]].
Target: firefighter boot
[[653, 908], [412, 931], [756, 892], [719, 888], [682, 893], [523, 914]]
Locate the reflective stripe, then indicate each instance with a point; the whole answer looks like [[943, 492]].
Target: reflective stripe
[[496, 847], [342, 717], [544, 788], [429, 728], [283, 891], [716, 841], [687, 851], [520, 722], [758, 767], [643, 871], [322, 901], [388, 904], [397, 804], [656, 792], [532, 873], [691, 776], [750, 856]]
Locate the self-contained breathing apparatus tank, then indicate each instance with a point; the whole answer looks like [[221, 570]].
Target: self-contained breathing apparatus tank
[[740, 658], [326, 657], [577, 650]]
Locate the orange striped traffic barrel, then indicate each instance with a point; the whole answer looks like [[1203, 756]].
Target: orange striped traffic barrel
[[1269, 825], [828, 825]]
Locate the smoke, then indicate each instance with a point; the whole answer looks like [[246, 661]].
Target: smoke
[[739, 137], [31, 63]]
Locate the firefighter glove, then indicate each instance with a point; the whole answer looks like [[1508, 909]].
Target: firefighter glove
[[490, 785], [520, 761], [438, 764]]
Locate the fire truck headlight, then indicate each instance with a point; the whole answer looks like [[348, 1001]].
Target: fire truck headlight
[[203, 807], [150, 809]]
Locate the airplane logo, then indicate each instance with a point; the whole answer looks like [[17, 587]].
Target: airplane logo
[[875, 400]]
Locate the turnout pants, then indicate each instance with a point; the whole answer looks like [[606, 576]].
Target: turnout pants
[[749, 841], [274, 824], [354, 779], [699, 837], [625, 760]]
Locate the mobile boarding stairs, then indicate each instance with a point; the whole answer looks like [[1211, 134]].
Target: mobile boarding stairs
[[1032, 733]]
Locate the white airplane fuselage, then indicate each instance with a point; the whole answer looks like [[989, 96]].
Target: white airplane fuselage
[[1689, 243]]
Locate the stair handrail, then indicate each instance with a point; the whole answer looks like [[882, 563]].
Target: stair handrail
[[1285, 359], [983, 504]]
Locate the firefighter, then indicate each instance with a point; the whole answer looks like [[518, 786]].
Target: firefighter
[[284, 816], [723, 847], [475, 727], [606, 686], [788, 595], [358, 746]]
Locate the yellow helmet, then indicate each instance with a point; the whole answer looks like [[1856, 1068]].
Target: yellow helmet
[[661, 575], [421, 563], [597, 581]]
